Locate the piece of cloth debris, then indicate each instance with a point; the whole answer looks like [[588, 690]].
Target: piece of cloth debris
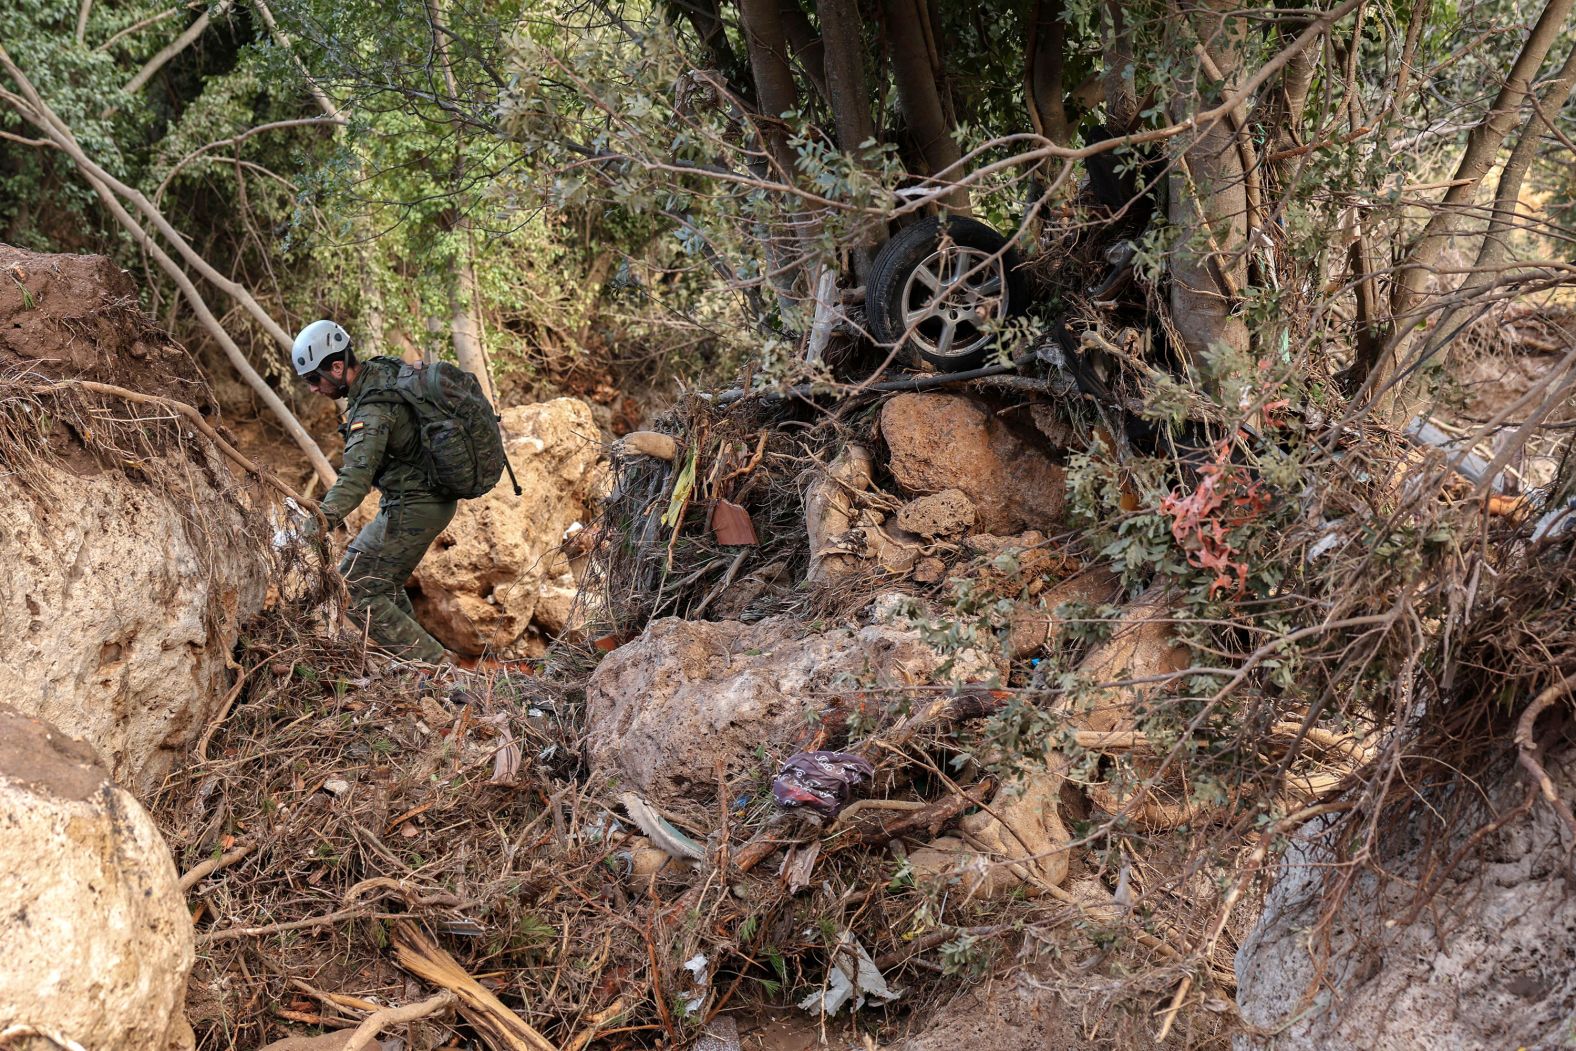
[[852, 976], [823, 782]]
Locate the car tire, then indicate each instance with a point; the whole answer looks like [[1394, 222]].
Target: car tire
[[939, 286]]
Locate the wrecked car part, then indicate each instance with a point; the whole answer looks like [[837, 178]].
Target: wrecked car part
[[940, 288]]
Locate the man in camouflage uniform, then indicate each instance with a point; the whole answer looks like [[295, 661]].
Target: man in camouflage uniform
[[382, 449]]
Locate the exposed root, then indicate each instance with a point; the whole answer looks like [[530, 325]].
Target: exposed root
[[1527, 749]]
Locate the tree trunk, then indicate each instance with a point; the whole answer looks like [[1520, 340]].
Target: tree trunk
[[848, 93], [1407, 311], [1208, 203], [919, 96], [774, 83], [1495, 251], [705, 18], [806, 48], [464, 302], [1121, 96], [1289, 103], [464, 330], [1044, 63]]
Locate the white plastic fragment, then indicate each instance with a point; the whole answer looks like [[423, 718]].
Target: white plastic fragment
[[698, 967], [1324, 544], [852, 976]]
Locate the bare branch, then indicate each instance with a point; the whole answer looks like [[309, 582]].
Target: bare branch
[[324, 103], [38, 112], [1477, 159], [34, 110], [140, 25], [175, 47], [235, 140], [378, 1021]]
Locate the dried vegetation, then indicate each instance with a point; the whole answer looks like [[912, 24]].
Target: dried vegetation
[[1103, 815]]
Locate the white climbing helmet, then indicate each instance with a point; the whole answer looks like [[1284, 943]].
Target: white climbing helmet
[[316, 342]]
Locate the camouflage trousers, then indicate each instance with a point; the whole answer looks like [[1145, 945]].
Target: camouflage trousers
[[379, 561]]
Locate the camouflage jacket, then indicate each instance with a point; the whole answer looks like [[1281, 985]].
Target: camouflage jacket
[[382, 447]]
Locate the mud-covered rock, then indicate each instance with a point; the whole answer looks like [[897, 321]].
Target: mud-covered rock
[[686, 699], [64, 316], [1487, 964], [120, 614], [121, 605], [944, 514], [498, 567], [96, 941], [952, 441]]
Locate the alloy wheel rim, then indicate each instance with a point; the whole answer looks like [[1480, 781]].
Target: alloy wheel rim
[[951, 298]]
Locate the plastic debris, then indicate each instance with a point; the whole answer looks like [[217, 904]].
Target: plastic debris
[[699, 968], [1556, 523], [732, 525], [852, 977], [661, 831], [823, 782]]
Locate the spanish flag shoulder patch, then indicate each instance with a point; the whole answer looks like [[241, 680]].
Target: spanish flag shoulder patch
[[358, 425]]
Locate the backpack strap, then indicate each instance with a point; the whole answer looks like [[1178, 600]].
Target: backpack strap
[[387, 392]]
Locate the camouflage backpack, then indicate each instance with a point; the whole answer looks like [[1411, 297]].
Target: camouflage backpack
[[461, 445]]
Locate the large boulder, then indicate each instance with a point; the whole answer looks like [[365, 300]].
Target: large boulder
[[126, 574], [1486, 964], [96, 941], [666, 711], [939, 442], [497, 568]]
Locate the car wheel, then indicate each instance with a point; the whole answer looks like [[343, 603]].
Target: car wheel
[[941, 290]]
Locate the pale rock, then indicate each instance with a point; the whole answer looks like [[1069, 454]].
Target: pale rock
[[944, 514], [1486, 965], [498, 567], [96, 944], [119, 604], [930, 571], [120, 615], [667, 709], [558, 606]]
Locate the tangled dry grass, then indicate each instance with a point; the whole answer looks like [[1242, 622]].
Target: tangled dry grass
[[348, 800], [1381, 653], [1385, 665]]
